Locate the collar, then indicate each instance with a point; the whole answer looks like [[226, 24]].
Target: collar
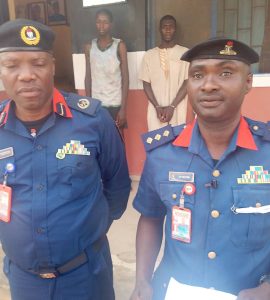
[[4, 114], [60, 107], [244, 137]]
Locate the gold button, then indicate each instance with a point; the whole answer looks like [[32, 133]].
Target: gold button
[[255, 127], [216, 173], [215, 213], [174, 196], [212, 255], [258, 204]]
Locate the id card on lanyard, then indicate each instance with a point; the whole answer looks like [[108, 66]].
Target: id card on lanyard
[[181, 217], [6, 195], [5, 202]]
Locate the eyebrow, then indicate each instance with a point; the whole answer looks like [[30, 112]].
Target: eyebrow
[[220, 64]]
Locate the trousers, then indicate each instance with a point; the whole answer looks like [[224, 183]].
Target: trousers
[[91, 281]]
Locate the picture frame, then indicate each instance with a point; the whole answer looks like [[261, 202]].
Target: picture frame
[[56, 12], [36, 11]]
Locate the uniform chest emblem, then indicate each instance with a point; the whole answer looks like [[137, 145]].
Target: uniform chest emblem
[[255, 175], [73, 147]]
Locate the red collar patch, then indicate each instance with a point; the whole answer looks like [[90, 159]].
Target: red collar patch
[[59, 105], [184, 138], [245, 138]]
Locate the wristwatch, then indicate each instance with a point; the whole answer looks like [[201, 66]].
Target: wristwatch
[[265, 278]]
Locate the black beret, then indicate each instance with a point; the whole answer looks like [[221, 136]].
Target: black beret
[[222, 48], [25, 35]]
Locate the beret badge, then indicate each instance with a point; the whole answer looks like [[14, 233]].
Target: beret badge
[[30, 35], [228, 50]]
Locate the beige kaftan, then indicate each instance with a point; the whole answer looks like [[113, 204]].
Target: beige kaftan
[[164, 70]]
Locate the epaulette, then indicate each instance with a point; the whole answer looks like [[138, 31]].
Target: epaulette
[[259, 128], [86, 105], [156, 138]]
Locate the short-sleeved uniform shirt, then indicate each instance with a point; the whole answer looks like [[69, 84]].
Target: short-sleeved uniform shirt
[[228, 251]]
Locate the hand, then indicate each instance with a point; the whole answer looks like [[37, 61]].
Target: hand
[[261, 292], [142, 291], [159, 111], [167, 114], [121, 118]]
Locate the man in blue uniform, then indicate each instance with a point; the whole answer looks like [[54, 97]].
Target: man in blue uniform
[[211, 179], [64, 176]]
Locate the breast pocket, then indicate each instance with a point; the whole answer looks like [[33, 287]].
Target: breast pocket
[[73, 173], [170, 193], [250, 229]]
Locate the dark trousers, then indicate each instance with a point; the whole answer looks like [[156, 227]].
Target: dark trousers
[[91, 281]]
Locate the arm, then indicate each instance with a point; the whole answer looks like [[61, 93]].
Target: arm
[[87, 80], [262, 292], [151, 97], [113, 166], [148, 242], [122, 53], [168, 111]]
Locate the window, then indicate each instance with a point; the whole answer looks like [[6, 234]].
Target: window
[[100, 2], [249, 22]]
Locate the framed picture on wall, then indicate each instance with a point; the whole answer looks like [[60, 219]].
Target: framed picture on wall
[[56, 12], [37, 11]]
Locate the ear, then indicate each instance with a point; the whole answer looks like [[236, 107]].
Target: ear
[[249, 81]]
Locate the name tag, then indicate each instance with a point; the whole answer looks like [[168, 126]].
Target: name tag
[[181, 176], [7, 152]]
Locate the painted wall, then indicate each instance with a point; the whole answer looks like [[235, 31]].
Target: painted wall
[[128, 23]]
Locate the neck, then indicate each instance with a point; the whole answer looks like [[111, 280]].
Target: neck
[[105, 38], [217, 136], [165, 44], [33, 115]]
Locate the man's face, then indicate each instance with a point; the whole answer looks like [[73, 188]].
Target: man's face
[[28, 78], [167, 30], [103, 24], [216, 88]]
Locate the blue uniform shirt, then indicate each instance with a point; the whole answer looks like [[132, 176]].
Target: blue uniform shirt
[[228, 251], [61, 205]]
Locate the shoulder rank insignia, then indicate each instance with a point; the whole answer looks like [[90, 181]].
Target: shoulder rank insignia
[[158, 137], [85, 105]]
